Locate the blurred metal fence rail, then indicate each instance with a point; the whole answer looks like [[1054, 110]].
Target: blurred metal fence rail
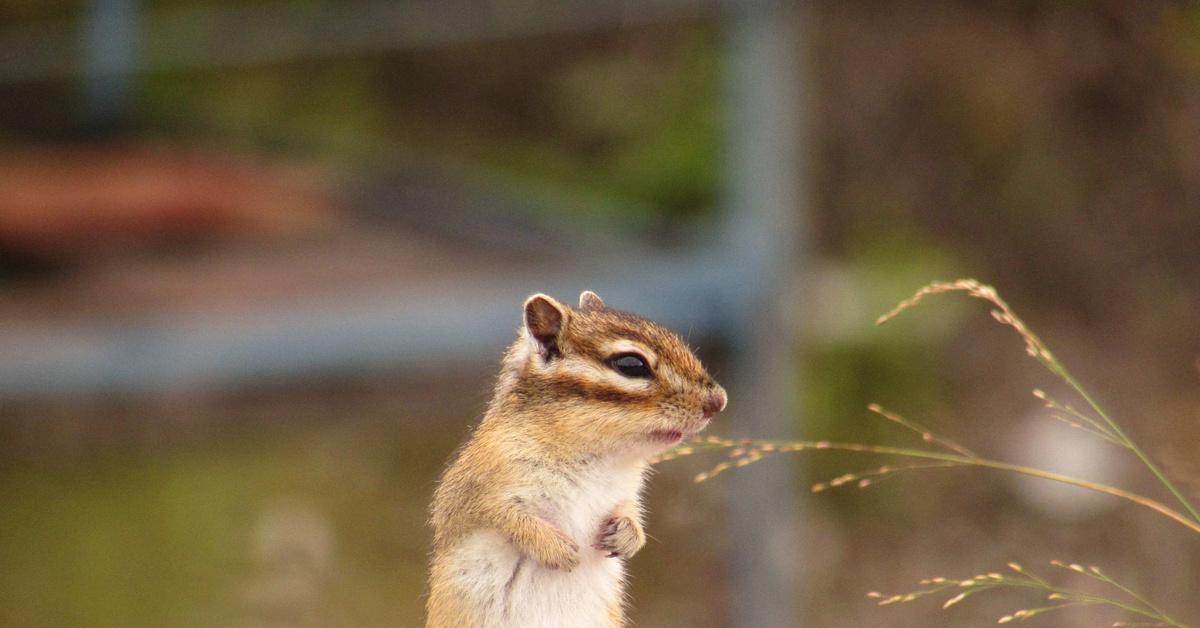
[[444, 326], [265, 32]]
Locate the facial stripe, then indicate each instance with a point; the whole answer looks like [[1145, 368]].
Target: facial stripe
[[607, 394]]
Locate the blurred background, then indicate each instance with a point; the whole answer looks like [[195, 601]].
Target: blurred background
[[258, 261]]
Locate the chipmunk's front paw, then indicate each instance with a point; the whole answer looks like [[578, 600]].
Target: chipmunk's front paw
[[620, 536], [559, 552]]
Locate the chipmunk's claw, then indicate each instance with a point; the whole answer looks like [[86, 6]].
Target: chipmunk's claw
[[620, 537]]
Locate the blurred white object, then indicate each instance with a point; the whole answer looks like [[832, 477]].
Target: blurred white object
[[1046, 443]]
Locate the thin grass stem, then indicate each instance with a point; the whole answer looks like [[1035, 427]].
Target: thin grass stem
[[744, 452], [1120, 434], [1038, 350], [1096, 574], [956, 459], [926, 435]]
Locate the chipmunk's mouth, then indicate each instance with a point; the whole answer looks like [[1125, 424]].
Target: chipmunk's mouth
[[674, 437], [667, 437]]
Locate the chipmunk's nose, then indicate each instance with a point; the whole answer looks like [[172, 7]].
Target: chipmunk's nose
[[715, 402]]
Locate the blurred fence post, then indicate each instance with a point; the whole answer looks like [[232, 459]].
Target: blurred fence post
[[110, 43], [765, 223]]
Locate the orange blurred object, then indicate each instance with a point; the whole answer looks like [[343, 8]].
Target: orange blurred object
[[72, 202]]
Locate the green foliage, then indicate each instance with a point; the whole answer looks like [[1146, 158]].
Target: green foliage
[[175, 538], [855, 363], [637, 128]]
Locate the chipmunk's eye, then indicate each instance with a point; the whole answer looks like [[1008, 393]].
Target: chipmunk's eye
[[631, 365]]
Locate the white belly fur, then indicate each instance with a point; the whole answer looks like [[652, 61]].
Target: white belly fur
[[514, 591]]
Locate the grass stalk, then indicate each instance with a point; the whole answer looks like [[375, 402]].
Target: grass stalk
[[1038, 350], [1101, 425]]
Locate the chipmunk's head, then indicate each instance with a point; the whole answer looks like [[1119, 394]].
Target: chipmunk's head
[[611, 380]]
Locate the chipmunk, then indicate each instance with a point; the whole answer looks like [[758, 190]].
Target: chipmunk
[[534, 518]]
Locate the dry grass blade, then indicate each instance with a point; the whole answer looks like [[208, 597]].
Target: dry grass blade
[[1060, 597], [1094, 421], [1034, 347]]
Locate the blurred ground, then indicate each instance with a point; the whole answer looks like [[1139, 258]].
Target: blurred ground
[[1049, 148], [291, 506]]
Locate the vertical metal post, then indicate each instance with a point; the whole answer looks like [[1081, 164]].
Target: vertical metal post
[[110, 45], [764, 142]]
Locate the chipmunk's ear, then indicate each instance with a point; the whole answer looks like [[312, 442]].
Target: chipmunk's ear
[[589, 301], [545, 320]]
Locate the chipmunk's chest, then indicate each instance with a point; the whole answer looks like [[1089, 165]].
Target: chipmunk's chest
[[580, 503], [581, 499], [514, 591]]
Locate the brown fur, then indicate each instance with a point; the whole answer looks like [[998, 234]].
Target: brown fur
[[560, 410]]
